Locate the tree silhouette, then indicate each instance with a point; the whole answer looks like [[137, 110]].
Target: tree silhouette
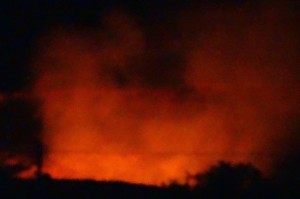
[[226, 180], [20, 131]]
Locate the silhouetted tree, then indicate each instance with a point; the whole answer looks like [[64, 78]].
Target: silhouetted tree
[[226, 180], [20, 133]]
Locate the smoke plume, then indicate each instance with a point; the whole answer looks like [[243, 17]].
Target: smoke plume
[[149, 102]]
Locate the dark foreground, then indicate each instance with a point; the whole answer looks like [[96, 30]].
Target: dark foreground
[[48, 188], [223, 181]]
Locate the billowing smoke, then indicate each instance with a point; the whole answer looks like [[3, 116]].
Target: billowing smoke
[[150, 102]]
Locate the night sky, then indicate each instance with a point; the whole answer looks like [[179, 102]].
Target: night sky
[[158, 88]]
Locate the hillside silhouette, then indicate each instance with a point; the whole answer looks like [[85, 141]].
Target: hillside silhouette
[[224, 180]]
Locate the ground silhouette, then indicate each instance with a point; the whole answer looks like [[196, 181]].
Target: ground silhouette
[[224, 180]]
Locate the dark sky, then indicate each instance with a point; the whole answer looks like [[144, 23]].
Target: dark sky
[[22, 22]]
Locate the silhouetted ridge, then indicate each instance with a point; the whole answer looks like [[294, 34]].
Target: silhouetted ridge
[[224, 180]]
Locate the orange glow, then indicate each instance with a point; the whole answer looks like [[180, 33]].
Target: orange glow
[[98, 129]]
